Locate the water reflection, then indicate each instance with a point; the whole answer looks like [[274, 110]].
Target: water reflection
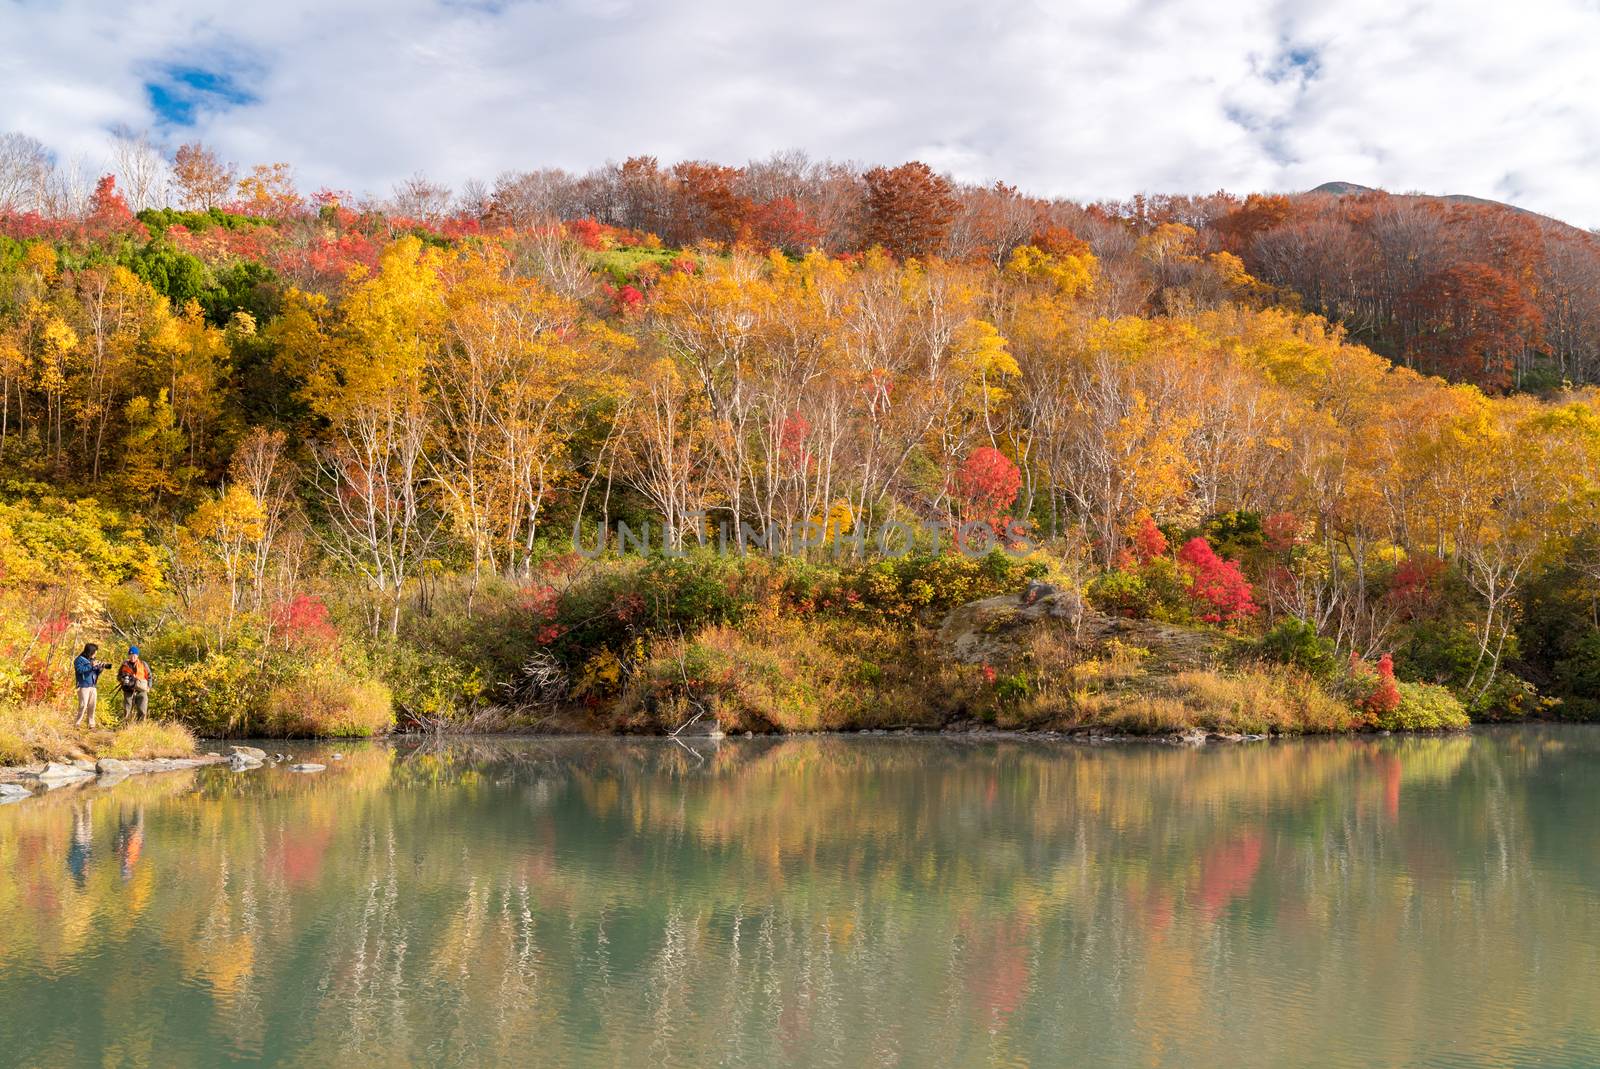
[[895, 902]]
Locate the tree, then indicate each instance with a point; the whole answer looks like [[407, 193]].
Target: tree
[[152, 451], [24, 171], [418, 198], [367, 381], [200, 179], [261, 468], [142, 168], [109, 214], [709, 207], [230, 525], [909, 209], [269, 191], [986, 487]]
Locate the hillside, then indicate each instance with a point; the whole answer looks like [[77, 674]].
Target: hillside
[[337, 468]]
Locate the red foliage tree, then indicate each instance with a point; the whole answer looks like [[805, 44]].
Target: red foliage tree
[[1282, 530], [986, 486], [909, 209], [1148, 541], [1478, 324], [1412, 586], [302, 622], [782, 224], [1217, 585], [707, 204], [792, 435], [108, 213]]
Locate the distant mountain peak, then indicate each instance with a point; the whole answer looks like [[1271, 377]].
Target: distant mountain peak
[[1342, 188], [1351, 189]]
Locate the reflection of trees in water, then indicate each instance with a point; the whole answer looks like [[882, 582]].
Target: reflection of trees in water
[[760, 902]]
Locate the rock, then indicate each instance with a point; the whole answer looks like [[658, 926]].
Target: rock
[[8, 791], [249, 751], [1193, 737], [307, 767], [990, 631], [1036, 590], [336, 757], [110, 766], [84, 766], [55, 770], [239, 762]]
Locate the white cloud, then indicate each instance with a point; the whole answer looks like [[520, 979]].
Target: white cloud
[[1080, 99]]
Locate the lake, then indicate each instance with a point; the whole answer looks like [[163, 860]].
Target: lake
[[819, 902]]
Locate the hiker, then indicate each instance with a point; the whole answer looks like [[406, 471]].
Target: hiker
[[136, 679], [86, 672]]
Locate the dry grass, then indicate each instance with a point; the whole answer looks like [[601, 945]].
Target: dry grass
[[147, 739], [30, 733], [37, 732], [1247, 701], [787, 675]]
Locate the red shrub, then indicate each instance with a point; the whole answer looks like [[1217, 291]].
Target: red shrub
[[1217, 585], [303, 621], [1385, 697], [1148, 541]]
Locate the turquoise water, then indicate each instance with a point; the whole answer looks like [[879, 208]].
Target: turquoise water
[[819, 902]]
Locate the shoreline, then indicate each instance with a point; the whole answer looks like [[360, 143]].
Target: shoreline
[[106, 772]]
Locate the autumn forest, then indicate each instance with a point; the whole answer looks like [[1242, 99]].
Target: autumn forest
[[325, 457]]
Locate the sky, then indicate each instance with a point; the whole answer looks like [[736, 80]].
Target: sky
[[1086, 100]]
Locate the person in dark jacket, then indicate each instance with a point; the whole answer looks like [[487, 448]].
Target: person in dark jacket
[[86, 677], [136, 680]]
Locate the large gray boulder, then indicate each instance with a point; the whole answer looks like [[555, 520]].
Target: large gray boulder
[[58, 772], [990, 631]]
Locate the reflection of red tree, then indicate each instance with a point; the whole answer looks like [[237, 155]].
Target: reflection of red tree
[[1227, 871], [997, 973], [1391, 785], [299, 856]]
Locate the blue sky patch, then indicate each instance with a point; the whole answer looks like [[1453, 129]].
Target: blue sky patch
[[177, 92]]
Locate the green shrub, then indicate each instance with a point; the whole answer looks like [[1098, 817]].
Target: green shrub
[[324, 702], [1583, 710], [1578, 673], [1120, 593], [1012, 689], [1156, 591], [923, 587], [1425, 707], [1508, 697], [220, 696], [426, 684], [1295, 642]]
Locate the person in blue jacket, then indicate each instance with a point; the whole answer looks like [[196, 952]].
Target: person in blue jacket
[[86, 673]]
